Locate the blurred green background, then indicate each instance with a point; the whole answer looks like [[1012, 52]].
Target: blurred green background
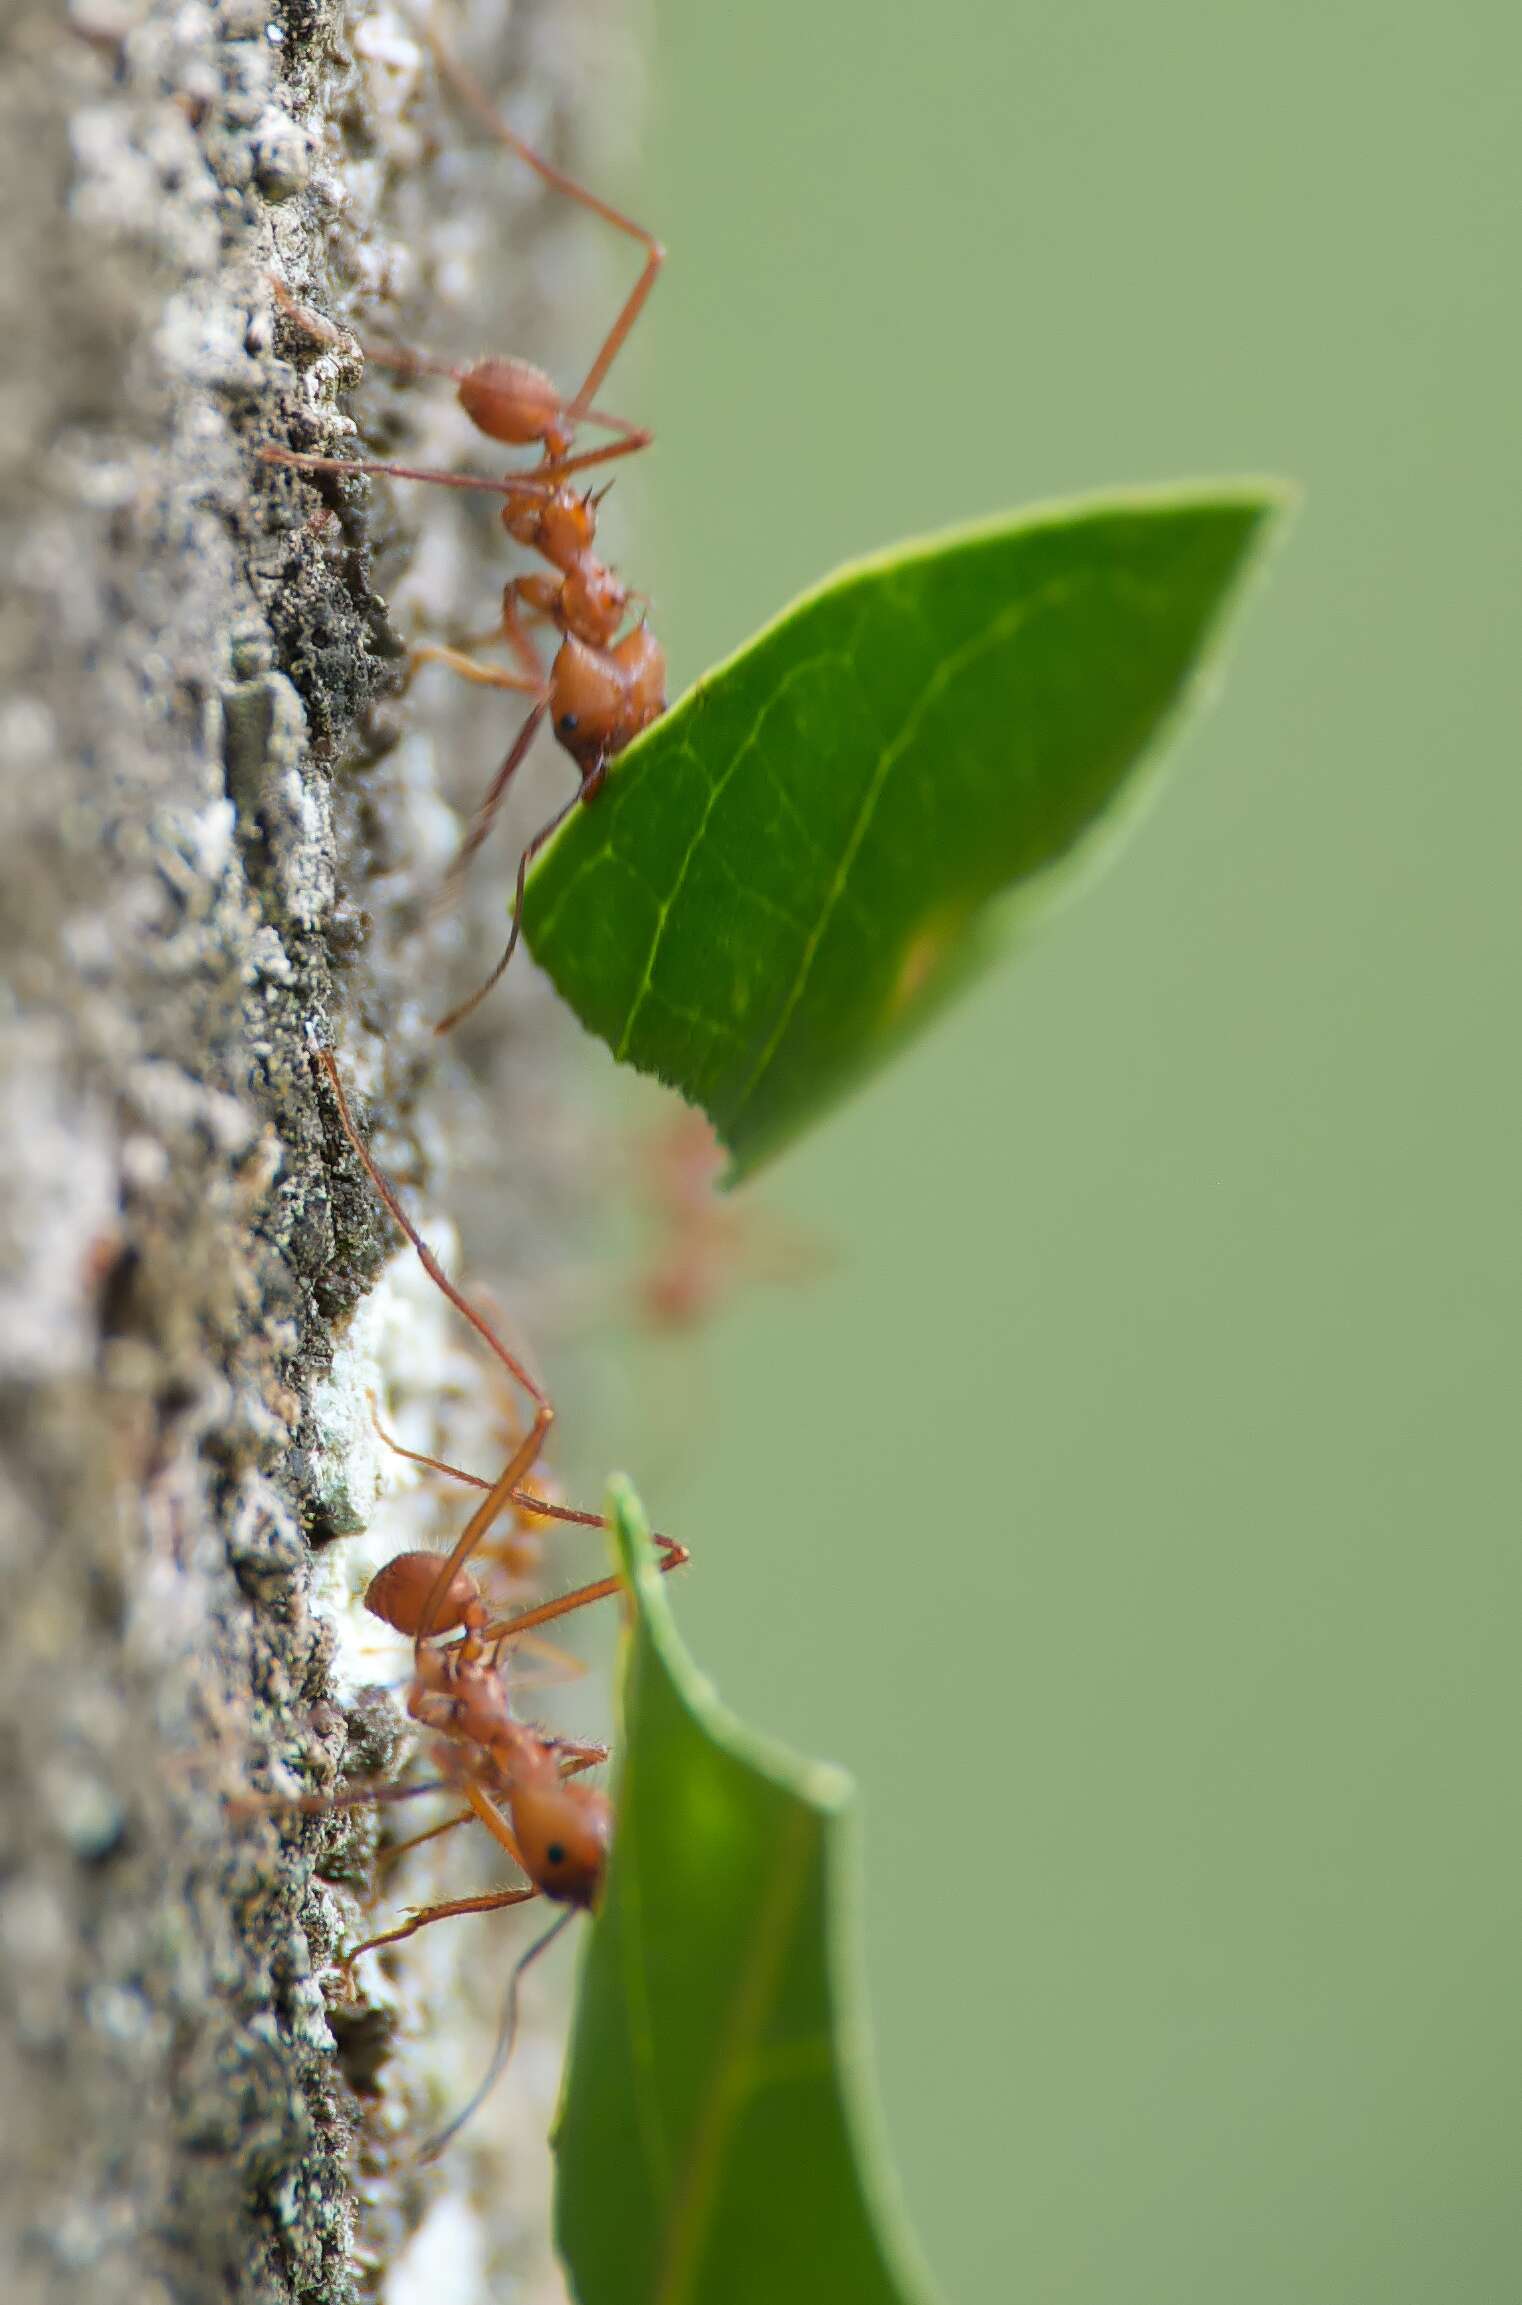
[[1132, 1504]]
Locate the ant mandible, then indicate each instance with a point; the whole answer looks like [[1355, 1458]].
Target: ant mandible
[[604, 685]]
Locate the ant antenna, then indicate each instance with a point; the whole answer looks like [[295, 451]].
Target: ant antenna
[[507, 2034]]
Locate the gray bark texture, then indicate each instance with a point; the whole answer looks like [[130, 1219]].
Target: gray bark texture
[[221, 833]]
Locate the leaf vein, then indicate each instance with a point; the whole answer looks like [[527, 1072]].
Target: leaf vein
[[1002, 627], [754, 1990], [794, 673], [652, 2132]]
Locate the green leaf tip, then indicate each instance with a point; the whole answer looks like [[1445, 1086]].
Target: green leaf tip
[[714, 2146], [829, 835]]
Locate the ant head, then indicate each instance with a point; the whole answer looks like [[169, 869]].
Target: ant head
[[562, 1831], [588, 696], [398, 1595]]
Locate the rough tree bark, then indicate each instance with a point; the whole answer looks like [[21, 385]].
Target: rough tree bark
[[208, 852]]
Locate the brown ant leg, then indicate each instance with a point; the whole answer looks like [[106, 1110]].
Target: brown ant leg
[[573, 1669], [495, 1502], [507, 2033], [417, 1456], [542, 479], [475, 102], [299, 461], [426, 1257], [485, 816], [673, 1556], [531, 1504], [513, 633], [318, 1804], [534, 683], [506, 631], [554, 470], [546, 832], [500, 1495], [492, 1902], [569, 1667], [416, 1840], [482, 675], [487, 636]]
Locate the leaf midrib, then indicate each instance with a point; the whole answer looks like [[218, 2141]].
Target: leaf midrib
[[692, 2202], [994, 634]]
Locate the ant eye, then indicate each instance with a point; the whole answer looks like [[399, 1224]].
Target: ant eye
[[566, 724], [555, 1853]]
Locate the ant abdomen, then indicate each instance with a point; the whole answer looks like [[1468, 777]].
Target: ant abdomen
[[514, 401], [589, 694], [603, 698], [398, 1595]]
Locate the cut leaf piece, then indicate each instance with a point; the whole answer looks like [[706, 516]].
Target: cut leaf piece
[[784, 876], [713, 2144]]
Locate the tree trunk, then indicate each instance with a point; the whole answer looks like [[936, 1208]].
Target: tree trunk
[[211, 854]]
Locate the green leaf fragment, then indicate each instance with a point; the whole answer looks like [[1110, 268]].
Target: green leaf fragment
[[712, 2141], [785, 876]]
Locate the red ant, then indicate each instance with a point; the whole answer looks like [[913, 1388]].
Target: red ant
[[601, 690], [517, 1781], [705, 1245]]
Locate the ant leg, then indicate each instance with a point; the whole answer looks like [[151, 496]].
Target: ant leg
[[562, 467], [482, 675], [500, 1495], [543, 1507], [400, 357], [475, 102], [673, 1556], [299, 461], [541, 480], [513, 633], [318, 1804], [492, 1902], [496, 1500], [568, 1668], [417, 1456], [416, 1840], [485, 816], [507, 2033], [426, 1257], [486, 636], [546, 832]]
